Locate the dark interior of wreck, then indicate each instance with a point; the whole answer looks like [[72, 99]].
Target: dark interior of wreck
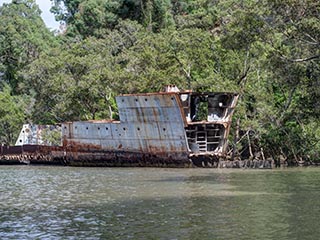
[[207, 115]]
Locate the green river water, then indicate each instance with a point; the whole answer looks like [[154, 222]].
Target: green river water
[[39, 202]]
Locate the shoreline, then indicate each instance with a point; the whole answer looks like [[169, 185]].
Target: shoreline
[[49, 160]]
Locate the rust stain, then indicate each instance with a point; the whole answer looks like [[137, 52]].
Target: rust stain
[[152, 138]]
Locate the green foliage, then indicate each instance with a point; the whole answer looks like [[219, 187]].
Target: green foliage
[[12, 115], [71, 83], [23, 36], [51, 137]]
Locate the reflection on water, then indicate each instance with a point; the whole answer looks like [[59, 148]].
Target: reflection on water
[[146, 203]]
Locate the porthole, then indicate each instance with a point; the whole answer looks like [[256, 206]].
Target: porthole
[[98, 128], [163, 129], [138, 129], [107, 128], [124, 129], [87, 128], [146, 99], [136, 99]]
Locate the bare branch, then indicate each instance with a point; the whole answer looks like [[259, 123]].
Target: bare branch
[[313, 40], [304, 59], [246, 69], [283, 57]]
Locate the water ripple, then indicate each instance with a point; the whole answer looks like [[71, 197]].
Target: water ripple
[[104, 203]]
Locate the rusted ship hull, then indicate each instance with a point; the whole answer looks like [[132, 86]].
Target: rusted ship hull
[[167, 129], [31, 154], [45, 155], [126, 159]]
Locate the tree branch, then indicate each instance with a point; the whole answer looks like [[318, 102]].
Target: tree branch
[[304, 59]]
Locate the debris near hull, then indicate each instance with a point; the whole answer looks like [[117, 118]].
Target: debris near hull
[[166, 129]]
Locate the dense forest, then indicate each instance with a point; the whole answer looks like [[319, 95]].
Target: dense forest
[[268, 51]]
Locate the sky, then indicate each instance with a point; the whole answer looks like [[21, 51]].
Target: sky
[[47, 17]]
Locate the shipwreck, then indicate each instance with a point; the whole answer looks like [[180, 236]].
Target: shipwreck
[[165, 129]]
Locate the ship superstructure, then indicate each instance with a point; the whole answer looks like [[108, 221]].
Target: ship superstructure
[[166, 128]]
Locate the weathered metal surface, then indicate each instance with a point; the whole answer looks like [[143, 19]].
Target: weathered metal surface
[[208, 135], [176, 129], [32, 134], [149, 124], [31, 154]]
